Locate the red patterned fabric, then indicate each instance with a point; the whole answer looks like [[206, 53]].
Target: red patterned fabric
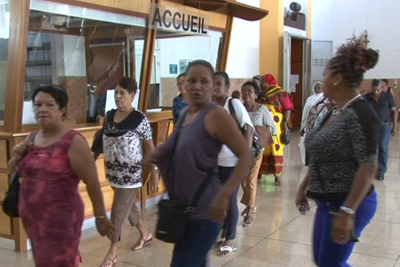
[[50, 206], [278, 97], [269, 79]]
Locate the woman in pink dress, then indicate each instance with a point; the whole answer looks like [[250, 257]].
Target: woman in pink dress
[[50, 206]]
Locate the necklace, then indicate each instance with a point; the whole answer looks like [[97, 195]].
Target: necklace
[[336, 112]]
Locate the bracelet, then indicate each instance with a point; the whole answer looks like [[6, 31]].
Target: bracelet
[[101, 217], [347, 210]]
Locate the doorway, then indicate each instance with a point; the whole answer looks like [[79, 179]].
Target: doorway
[[294, 74]]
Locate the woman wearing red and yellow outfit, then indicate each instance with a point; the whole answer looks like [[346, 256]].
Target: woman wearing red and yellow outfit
[[279, 103]]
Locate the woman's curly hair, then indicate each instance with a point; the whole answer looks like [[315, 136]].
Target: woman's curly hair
[[352, 59]]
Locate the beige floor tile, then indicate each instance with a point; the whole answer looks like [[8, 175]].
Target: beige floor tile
[[293, 233], [93, 261], [370, 261], [377, 250]]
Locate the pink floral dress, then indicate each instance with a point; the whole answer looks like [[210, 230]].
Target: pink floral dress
[[50, 206]]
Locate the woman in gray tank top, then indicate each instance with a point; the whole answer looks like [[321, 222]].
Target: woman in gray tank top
[[203, 128]]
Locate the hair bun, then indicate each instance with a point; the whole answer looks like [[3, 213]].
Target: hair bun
[[371, 58]]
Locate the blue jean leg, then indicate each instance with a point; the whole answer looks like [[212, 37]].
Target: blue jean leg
[[232, 215], [200, 237], [383, 152], [328, 253]]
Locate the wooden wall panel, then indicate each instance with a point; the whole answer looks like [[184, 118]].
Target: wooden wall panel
[[3, 185], [5, 225], [108, 195], [3, 154]]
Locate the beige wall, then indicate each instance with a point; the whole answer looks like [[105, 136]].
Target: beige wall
[[271, 39]]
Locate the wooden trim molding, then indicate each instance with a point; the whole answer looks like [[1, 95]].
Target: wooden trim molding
[[227, 7], [16, 63], [225, 49], [111, 6], [147, 64]]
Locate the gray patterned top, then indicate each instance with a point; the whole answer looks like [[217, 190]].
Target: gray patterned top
[[262, 117], [339, 148]]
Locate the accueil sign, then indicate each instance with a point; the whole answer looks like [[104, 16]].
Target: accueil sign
[[176, 19]]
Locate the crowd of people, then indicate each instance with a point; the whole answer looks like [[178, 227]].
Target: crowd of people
[[227, 142]]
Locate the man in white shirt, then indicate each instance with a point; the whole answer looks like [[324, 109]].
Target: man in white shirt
[[227, 159]]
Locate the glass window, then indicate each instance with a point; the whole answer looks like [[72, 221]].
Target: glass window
[[87, 51], [172, 54], [4, 36]]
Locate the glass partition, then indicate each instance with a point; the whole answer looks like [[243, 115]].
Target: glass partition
[[84, 50], [172, 54], [4, 37]]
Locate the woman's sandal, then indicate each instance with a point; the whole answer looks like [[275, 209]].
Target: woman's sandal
[[141, 243], [113, 261], [278, 181], [244, 212], [225, 250], [247, 221]]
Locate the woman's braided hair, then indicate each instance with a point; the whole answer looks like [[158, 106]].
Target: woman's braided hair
[[352, 60]]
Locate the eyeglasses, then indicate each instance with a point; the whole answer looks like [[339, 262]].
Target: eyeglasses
[[248, 92]]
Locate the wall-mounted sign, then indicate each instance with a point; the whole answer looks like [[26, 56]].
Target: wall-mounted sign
[[183, 63], [177, 19], [173, 69]]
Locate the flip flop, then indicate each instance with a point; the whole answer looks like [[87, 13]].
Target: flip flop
[[247, 221], [223, 249], [141, 243], [244, 212], [112, 260]]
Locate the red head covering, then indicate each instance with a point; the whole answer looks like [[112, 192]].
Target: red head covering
[[268, 78]]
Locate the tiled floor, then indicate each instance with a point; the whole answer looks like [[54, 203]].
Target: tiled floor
[[279, 237]]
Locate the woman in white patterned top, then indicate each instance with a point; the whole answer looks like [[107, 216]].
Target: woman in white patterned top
[[125, 130], [262, 120]]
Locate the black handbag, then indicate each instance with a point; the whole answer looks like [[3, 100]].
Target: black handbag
[[285, 138], [173, 215], [256, 147], [97, 145], [10, 202]]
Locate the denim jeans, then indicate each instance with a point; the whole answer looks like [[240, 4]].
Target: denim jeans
[[383, 152], [232, 215], [326, 252], [200, 237]]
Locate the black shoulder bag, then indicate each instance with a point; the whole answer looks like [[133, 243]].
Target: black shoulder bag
[[173, 215], [97, 146], [10, 203], [256, 147]]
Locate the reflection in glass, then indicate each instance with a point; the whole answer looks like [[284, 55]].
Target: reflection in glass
[[4, 37], [177, 50], [87, 51]]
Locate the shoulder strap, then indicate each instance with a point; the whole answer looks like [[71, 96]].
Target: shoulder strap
[[233, 112], [109, 119], [32, 136], [202, 187]]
